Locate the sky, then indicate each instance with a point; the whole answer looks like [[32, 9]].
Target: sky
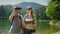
[[13, 2]]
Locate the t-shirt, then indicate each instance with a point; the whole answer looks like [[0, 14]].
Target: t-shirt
[[16, 26], [29, 22]]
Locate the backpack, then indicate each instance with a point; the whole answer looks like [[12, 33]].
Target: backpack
[[13, 19]]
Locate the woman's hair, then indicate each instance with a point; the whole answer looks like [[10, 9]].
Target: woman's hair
[[29, 7]]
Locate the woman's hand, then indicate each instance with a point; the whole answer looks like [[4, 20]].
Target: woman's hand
[[34, 26]]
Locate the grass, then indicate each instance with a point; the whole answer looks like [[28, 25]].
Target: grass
[[43, 27], [4, 27]]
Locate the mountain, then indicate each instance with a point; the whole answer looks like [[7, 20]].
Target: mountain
[[25, 4], [38, 9]]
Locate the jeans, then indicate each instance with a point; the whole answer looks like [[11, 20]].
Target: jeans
[[27, 31]]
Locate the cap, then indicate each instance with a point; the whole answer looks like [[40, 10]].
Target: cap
[[17, 8]]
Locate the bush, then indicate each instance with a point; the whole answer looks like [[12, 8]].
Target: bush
[[53, 10]]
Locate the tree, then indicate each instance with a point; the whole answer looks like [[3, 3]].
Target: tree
[[53, 9], [2, 11], [40, 13]]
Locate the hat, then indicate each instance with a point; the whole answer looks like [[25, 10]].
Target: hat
[[17, 8]]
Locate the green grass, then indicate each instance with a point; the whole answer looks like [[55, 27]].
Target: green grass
[[4, 27], [42, 27]]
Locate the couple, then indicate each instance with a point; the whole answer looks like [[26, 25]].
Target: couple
[[26, 24]]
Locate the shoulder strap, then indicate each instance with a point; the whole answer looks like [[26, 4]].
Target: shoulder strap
[[13, 19], [20, 17]]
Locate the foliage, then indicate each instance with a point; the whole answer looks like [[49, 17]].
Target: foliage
[[5, 10], [53, 10], [2, 11], [40, 12]]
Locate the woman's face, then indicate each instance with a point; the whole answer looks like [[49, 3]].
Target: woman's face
[[29, 10]]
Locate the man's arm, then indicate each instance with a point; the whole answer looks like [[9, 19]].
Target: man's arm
[[10, 18]]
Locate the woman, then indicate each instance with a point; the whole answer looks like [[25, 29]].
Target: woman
[[16, 20], [30, 22]]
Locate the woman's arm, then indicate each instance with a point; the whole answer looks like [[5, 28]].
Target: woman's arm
[[23, 23], [35, 21]]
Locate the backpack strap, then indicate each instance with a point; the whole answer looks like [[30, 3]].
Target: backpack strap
[[12, 21], [20, 17]]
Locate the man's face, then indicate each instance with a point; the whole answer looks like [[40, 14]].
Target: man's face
[[16, 12]]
